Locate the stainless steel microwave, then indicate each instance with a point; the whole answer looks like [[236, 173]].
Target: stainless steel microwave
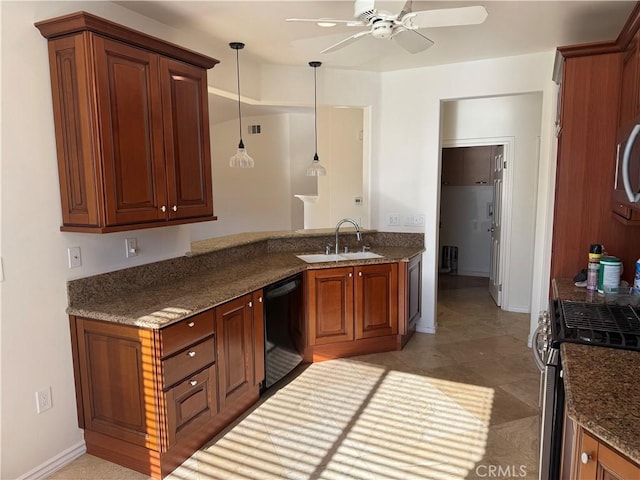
[[627, 184]]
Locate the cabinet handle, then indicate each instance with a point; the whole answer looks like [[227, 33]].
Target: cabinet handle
[[350, 275], [585, 457], [193, 383], [174, 208], [482, 182], [260, 299], [191, 353], [163, 208], [250, 304], [191, 324], [359, 274]]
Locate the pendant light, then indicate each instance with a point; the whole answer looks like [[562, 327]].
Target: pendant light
[[315, 169], [241, 159]]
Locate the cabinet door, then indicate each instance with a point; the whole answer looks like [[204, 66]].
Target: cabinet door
[[629, 97], [376, 312], [330, 305], [452, 165], [595, 460], [119, 382], [235, 349], [130, 115], [477, 166], [191, 404], [186, 137], [414, 292]]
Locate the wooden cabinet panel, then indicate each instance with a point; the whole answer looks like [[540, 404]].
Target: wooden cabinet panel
[[258, 338], [330, 305], [234, 331], [119, 383], [130, 119], [466, 166], [376, 293], [191, 404], [452, 166], [414, 292], [132, 127], [182, 334], [594, 460], [586, 168], [187, 148], [184, 363], [629, 90]]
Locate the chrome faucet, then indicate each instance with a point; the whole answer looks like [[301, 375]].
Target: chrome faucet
[[354, 223]]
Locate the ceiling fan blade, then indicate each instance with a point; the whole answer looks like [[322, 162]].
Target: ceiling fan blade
[[412, 41], [408, 8], [446, 17], [345, 42], [349, 23]]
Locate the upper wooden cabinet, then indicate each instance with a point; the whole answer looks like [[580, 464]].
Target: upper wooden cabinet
[[629, 95], [466, 166], [132, 127]]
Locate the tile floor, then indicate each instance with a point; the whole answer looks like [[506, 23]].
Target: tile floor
[[461, 404]]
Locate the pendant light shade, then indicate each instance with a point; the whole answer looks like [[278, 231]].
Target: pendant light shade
[[241, 159], [315, 169]]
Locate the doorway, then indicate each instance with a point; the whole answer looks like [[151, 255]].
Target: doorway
[[471, 214], [513, 121]]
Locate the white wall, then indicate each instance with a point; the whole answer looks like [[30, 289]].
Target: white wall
[[406, 168], [517, 117]]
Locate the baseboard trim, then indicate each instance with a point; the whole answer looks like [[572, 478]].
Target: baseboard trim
[[46, 469], [425, 328], [516, 309]]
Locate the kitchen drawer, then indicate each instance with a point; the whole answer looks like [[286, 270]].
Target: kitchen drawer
[[188, 361], [186, 332], [191, 404]]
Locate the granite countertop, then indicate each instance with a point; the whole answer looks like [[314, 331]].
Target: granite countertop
[[602, 386], [200, 286], [602, 393]]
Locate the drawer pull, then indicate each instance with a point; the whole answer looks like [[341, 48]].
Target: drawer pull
[[585, 457], [359, 274], [191, 324], [191, 353], [250, 304], [260, 299], [193, 383]]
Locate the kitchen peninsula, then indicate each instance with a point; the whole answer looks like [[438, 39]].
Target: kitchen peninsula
[[168, 354]]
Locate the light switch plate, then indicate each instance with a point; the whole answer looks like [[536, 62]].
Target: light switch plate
[[132, 247]]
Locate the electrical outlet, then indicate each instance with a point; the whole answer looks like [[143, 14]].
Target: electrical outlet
[[418, 220], [75, 257], [394, 219], [132, 247], [43, 400]]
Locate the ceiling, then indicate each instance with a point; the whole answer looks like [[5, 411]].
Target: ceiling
[[512, 28]]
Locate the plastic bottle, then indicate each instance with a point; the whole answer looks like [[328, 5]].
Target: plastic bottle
[[636, 280], [609, 274]]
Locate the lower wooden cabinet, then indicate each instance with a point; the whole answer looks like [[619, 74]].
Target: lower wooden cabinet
[[147, 399], [585, 457], [349, 309]]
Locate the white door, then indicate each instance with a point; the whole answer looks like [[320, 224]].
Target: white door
[[495, 278]]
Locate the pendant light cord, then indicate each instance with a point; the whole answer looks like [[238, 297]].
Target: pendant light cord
[[315, 107], [241, 145]]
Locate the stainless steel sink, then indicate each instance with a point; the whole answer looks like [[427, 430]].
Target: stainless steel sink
[[359, 255], [332, 257]]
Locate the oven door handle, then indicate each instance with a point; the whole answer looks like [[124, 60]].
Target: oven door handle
[[537, 354]]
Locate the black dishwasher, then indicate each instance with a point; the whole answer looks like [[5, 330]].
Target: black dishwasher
[[283, 324]]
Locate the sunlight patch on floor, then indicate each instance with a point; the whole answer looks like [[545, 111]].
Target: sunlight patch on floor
[[344, 419]]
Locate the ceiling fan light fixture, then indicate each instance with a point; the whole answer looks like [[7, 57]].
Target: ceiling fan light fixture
[[315, 169], [241, 159], [326, 24]]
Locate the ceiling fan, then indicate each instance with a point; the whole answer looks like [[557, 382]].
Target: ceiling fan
[[401, 27]]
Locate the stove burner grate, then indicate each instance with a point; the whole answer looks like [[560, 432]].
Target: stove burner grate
[[600, 317]]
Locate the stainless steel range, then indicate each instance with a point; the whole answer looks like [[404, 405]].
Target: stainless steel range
[[611, 325]]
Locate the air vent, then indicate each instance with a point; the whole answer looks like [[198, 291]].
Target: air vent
[[254, 129]]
